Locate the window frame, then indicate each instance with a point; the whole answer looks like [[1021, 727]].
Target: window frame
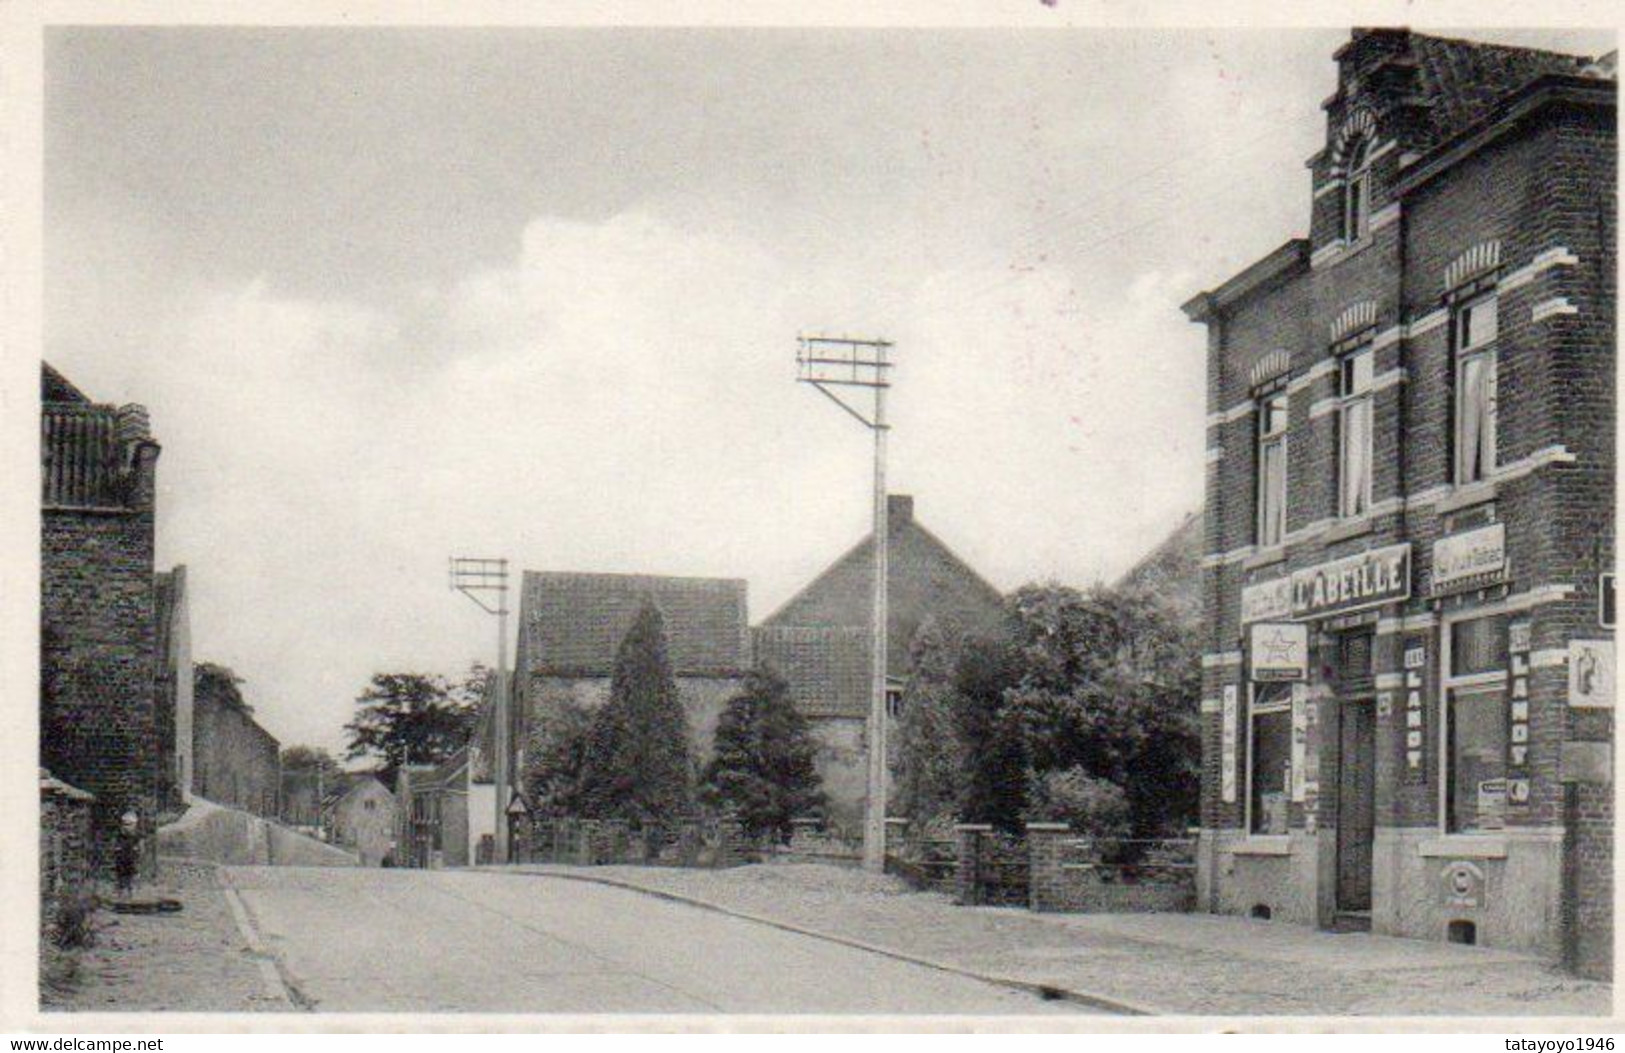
[[1487, 352], [1263, 397], [1255, 709], [1449, 683], [1346, 402], [1356, 217]]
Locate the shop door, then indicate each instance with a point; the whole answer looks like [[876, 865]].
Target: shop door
[[1356, 804]]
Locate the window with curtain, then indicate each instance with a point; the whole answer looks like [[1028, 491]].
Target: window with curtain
[[1272, 417], [1473, 341], [1354, 432]]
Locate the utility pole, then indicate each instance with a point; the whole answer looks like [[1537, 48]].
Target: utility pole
[[828, 363], [471, 577]]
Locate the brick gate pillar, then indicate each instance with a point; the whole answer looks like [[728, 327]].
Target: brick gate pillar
[[1046, 887], [968, 863]]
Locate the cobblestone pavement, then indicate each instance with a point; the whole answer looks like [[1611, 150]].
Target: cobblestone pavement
[[1177, 964], [370, 940], [194, 961]]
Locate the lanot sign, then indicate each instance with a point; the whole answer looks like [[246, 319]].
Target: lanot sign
[[1381, 575]]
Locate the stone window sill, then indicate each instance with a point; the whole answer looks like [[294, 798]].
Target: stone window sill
[[1464, 846], [1265, 557], [1466, 497], [1264, 845], [1345, 529]]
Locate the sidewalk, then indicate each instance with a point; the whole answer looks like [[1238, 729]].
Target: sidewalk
[[194, 961], [1189, 964]]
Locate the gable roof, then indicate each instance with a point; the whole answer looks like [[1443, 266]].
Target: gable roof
[[1173, 570], [1464, 80], [826, 667], [572, 624], [54, 387]]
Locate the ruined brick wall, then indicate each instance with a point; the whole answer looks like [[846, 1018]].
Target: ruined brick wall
[[65, 849], [98, 726], [236, 762]]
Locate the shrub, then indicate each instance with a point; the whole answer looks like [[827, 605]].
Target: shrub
[[1092, 807], [74, 923]]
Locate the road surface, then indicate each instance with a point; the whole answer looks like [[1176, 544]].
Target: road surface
[[364, 940]]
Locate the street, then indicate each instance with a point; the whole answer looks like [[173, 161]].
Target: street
[[432, 941]]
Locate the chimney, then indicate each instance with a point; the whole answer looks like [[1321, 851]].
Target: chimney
[[899, 510]]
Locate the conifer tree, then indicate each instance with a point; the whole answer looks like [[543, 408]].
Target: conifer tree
[[763, 766]]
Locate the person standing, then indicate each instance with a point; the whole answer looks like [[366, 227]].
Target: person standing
[[127, 852]]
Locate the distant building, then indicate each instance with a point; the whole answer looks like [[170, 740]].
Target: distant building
[[436, 802], [99, 727], [173, 628], [571, 625], [236, 762], [1411, 454], [360, 816], [1172, 572], [819, 640]]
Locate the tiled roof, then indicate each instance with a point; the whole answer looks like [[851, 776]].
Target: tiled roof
[[1463, 79], [827, 667], [573, 624], [54, 387], [169, 587]]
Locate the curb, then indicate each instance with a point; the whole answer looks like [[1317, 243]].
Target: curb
[[1047, 992], [276, 984]]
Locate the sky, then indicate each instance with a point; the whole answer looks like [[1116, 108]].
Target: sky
[[393, 295]]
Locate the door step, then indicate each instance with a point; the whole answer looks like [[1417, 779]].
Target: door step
[[1351, 921]]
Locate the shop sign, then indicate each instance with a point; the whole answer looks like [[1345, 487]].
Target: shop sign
[[1462, 884], [1476, 556], [1300, 742], [1382, 575], [1278, 651], [1605, 600], [1266, 601], [1227, 744], [1492, 804], [1591, 673]]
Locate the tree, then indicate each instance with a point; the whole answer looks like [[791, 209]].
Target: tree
[[1109, 685], [557, 753], [410, 717], [217, 684], [988, 728], [763, 765], [308, 773], [930, 756], [636, 765]]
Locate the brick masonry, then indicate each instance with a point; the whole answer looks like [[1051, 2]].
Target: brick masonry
[[1501, 170], [98, 721]]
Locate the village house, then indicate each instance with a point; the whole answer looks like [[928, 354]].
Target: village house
[[819, 641], [571, 626], [359, 815], [99, 727], [1410, 516]]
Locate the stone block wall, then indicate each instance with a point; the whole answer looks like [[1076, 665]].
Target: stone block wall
[[236, 762]]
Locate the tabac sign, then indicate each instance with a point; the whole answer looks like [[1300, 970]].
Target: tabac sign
[[1279, 651], [1381, 575]]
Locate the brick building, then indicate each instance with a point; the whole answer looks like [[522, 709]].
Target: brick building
[[172, 628], [98, 663], [819, 640], [571, 626], [235, 761], [1411, 463]]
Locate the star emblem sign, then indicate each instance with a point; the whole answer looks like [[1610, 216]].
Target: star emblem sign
[[1278, 647]]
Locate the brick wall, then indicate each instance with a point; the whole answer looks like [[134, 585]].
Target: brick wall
[[98, 725], [65, 849], [236, 762]]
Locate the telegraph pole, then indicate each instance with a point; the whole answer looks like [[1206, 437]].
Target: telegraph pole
[[828, 363], [471, 577]]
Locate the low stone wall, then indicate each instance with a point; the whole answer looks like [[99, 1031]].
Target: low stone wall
[[1086, 875], [603, 842], [66, 868], [225, 835]]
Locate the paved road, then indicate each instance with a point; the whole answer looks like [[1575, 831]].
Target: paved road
[[433, 941]]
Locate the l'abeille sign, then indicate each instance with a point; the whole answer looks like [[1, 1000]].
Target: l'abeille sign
[[1381, 575]]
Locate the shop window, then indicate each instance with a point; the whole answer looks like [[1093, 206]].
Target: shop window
[[1271, 486], [1270, 759], [1474, 325], [1354, 416], [1357, 192], [1475, 721]]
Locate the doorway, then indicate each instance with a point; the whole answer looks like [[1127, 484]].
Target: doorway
[[1356, 803]]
